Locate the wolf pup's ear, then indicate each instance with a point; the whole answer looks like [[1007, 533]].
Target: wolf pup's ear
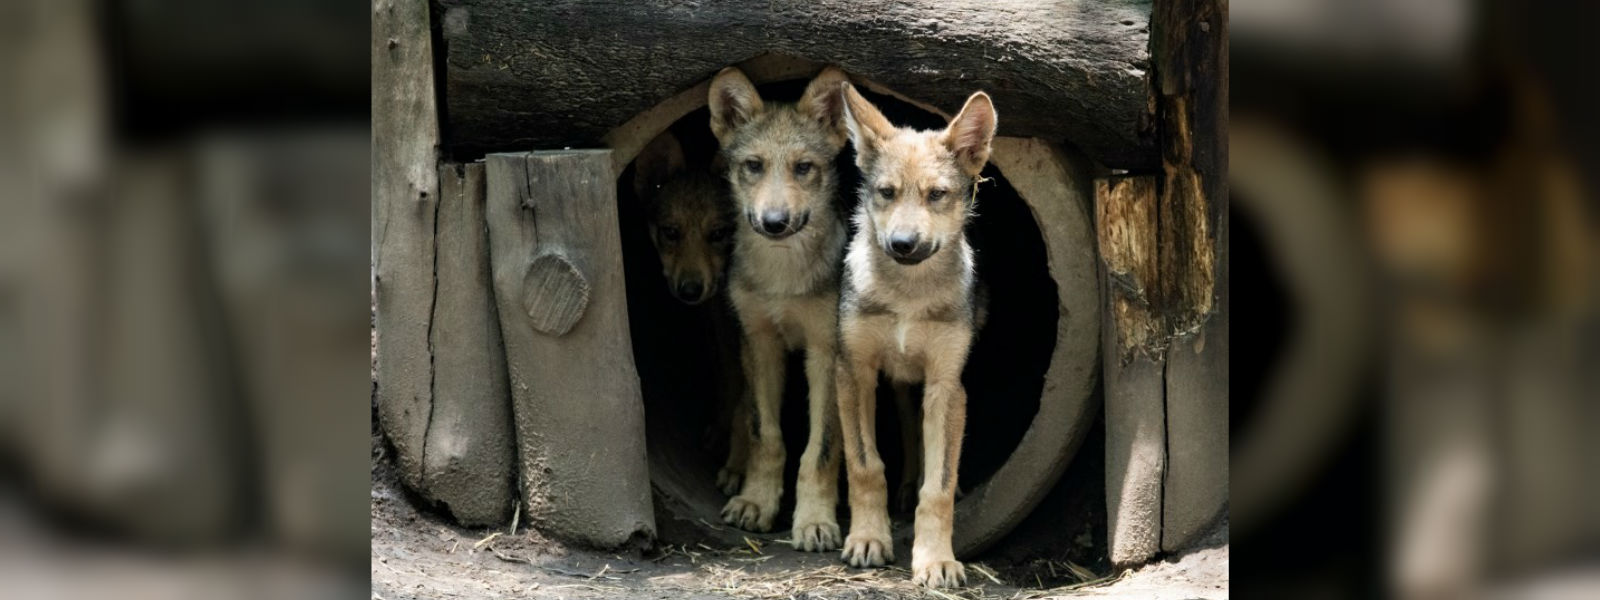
[[969, 134], [657, 163], [734, 102], [823, 103], [866, 125]]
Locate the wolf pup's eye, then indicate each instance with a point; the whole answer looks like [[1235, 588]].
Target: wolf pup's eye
[[935, 195], [720, 234], [802, 168], [671, 234], [753, 165], [886, 192]]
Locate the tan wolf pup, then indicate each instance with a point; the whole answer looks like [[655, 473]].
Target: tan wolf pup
[[909, 306], [691, 221], [784, 286]]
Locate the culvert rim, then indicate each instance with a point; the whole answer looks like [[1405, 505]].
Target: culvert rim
[[1056, 186]]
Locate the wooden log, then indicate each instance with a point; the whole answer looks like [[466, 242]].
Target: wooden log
[[405, 190], [576, 399], [1134, 362], [561, 74], [468, 457], [1166, 346], [1195, 492], [1189, 49]]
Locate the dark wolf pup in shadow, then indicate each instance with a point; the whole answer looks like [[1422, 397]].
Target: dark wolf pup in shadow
[[691, 221]]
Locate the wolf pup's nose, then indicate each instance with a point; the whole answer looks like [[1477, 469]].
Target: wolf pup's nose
[[774, 222], [690, 290], [902, 244]]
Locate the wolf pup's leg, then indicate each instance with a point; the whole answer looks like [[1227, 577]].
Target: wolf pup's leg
[[816, 526], [944, 417], [731, 476], [757, 503], [910, 445], [868, 544]]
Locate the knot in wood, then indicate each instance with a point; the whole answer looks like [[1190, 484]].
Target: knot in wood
[[554, 294]]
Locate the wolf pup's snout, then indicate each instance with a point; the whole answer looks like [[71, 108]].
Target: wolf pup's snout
[[909, 247], [778, 224], [690, 219], [691, 291]]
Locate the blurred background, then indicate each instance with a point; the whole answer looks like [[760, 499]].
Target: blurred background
[[184, 299], [1413, 187], [184, 315]]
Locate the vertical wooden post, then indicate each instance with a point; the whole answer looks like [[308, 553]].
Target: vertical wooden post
[[1135, 366], [1189, 49], [405, 191], [558, 282], [468, 448], [1163, 244]]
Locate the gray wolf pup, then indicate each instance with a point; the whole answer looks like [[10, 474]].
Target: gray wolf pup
[[784, 286], [691, 221], [909, 307]]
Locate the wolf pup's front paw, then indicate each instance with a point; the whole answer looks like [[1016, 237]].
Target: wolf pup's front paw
[[939, 574], [861, 550], [819, 536], [729, 481], [748, 515]]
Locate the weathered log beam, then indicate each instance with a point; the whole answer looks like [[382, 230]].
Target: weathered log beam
[[522, 75]]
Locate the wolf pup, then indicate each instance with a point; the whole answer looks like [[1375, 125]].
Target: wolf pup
[[784, 286], [909, 306], [691, 221]]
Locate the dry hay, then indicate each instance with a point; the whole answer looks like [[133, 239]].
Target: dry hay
[[838, 581], [740, 572], [735, 572]]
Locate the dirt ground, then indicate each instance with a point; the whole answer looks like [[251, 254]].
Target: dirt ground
[[417, 554]]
